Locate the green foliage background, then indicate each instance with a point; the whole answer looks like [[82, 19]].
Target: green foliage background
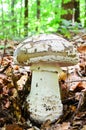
[[12, 23]]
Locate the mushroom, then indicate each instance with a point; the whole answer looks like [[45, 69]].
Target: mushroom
[[45, 54]]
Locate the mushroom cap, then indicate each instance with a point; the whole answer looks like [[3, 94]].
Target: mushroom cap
[[45, 48]]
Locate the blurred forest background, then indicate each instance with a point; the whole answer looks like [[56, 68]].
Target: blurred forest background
[[20, 18]]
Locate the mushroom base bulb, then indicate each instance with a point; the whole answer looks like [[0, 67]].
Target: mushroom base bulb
[[44, 99]]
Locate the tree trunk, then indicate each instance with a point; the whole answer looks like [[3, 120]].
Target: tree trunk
[[38, 13], [2, 12], [38, 9], [85, 15], [13, 20], [20, 19], [26, 18], [72, 8], [77, 10]]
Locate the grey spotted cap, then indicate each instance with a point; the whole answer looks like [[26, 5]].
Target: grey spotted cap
[[46, 48]]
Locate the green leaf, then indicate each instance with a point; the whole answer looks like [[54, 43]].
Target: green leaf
[[2, 46]]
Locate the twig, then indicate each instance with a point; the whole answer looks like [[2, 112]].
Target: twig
[[75, 81], [5, 43], [6, 67], [79, 105], [67, 100]]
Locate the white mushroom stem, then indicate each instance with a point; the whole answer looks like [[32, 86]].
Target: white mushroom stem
[[44, 99]]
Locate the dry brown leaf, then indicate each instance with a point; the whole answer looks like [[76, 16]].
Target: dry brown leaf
[[73, 81], [21, 82], [3, 77], [15, 67], [16, 109], [63, 126], [84, 127], [82, 85], [7, 104], [82, 49], [62, 76], [46, 125], [3, 128], [30, 129], [76, 124], [84, 37], [13, 127], [73, 108], [14, 93]]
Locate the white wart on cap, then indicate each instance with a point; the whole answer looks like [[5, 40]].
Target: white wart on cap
[[45, 53]]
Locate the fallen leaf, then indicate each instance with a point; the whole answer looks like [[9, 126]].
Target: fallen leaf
[[13, 127], [84, 37], [21, 82], [62, 76], [31, 129], [73, 81], [63, 126], [84, 127], [82, 49], [46, 125]]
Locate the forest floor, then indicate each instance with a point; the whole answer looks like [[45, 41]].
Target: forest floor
[[15, 82]]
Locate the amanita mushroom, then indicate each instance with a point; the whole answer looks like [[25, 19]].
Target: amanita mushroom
[[45, 54]]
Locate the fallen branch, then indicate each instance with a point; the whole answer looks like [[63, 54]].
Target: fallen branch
[[78, 106], [75, 81]]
